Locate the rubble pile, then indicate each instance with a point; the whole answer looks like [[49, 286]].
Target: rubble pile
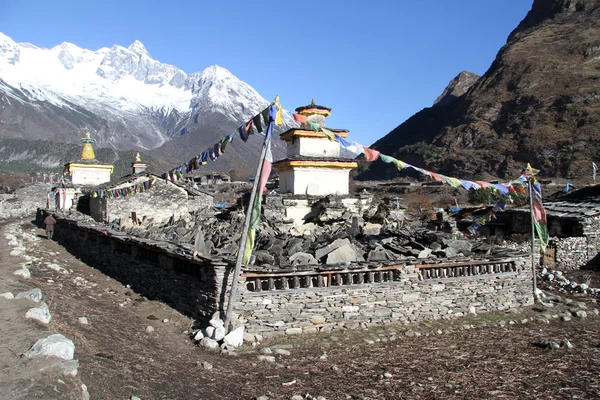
[[331, 235], [558, 280]]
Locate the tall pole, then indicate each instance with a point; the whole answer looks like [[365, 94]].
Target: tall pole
[[240, 256], [532, 237]]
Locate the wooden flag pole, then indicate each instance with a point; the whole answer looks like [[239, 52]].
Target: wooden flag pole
[[240, 256], [532, 237]]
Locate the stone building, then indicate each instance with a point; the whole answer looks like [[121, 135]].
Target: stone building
[[312, 170], [573, 226], [87, 171], [160, 199], [313, 165]]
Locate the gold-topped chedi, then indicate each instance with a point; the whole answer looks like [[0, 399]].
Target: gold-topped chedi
[[88, 171], [88, 151], [138, 165]]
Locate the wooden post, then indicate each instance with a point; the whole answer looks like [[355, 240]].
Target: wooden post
[[240, 256], [532, 237]]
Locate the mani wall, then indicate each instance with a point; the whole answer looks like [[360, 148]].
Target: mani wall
[[306, 298]]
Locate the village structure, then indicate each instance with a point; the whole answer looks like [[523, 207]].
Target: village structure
[[324, 259]]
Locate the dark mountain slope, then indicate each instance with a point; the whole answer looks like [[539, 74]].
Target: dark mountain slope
[[539, 102]]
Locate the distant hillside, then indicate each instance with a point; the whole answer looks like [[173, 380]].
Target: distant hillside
[[25, 156], [539, 102]]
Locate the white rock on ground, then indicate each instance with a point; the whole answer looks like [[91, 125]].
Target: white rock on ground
[[198, 336], [7, 295], [209, 343], [216, 322], [17, 251], [53, 346], [83, 320], [235, 338], [210, 331], [41, 314], [33, 294], [23, 272], [219, 333]]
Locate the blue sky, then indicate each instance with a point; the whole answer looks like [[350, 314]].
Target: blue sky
[[375, 63]]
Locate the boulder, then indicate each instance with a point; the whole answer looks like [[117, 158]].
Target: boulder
[[301, 258], [53, 346], [371, 229], [33, 294], [342, 254], [41, 314], [235, 338], [323, 251], [424, 253], [377, 254], [460, 246]]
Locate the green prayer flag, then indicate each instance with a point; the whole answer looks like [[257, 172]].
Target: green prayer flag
[[387, 159], [314, 126]]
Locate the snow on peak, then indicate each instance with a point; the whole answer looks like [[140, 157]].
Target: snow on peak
[[138, 48], [122, 78]]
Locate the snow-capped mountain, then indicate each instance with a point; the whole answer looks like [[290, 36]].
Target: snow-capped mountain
[[122, 95]]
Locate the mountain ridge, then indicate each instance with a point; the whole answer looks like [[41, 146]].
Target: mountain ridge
[[538, 102], [124, 97]]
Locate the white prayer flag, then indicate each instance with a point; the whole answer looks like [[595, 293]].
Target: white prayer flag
[[595, 168]]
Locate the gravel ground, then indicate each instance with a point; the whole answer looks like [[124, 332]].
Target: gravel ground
[[499, 355]]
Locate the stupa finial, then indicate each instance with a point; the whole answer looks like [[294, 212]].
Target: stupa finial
[[88, 151]]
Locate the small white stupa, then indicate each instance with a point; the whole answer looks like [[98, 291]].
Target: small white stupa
[[313, 165]]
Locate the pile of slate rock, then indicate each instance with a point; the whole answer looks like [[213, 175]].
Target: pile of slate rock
[[375, 236]]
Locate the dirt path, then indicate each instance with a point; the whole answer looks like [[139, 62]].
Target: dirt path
[[21, 377], [119, 359]]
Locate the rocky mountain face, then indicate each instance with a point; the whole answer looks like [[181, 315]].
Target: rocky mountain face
[[539, 102], [124, 97], [457, 87]]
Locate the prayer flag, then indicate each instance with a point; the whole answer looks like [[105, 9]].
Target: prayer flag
[[399, 164], [257, 123], [370, 154], [279, 116], [314, 126], [243, 133], [595, 170], [262, 183], [436, 177], [300, 118], [387, 159], [350, 145], [330, 135]]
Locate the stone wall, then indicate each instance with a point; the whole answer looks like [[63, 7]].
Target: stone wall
[[162, 201], [303, 298], [360, 298], [156, 270], [570, 253]]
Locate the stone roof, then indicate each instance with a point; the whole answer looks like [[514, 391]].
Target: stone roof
[[132, 177], [312, 105]]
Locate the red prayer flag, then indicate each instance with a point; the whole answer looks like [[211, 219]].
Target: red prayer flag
[[300, 118], [370, 154]]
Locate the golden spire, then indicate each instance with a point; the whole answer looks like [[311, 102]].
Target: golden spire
[[137, 157], [88, 151]]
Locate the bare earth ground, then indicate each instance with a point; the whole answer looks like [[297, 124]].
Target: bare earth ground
[[118, 359]]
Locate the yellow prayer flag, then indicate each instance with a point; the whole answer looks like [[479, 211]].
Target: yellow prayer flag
[[279, 116], [399, 164], [330, 135]]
